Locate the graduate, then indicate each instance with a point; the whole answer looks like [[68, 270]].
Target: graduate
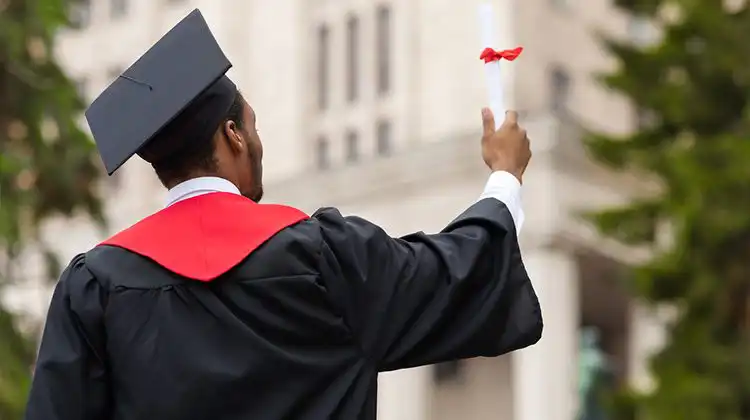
[[218, 307]]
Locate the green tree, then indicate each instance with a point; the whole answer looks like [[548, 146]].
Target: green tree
[[694, 83], [47, 164]]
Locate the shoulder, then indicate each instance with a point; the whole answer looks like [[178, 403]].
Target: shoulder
[[333, 226], [102, 261], [326, 213], [76, 272], [327, 227], [312, 230], [332, 218], [80, 287]]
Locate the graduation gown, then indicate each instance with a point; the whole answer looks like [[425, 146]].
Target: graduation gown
[[221, 308]]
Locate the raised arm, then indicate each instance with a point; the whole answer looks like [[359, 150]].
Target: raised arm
[[424, 299]]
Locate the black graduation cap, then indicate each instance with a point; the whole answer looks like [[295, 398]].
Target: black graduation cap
[[175, 94]]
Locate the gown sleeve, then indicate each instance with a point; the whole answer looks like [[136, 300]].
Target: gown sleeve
[[425, 299], [70, 379]]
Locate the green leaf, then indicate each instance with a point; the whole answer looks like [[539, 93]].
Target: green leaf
[[632, 225]]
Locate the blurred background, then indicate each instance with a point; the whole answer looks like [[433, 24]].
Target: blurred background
[[637, 233]]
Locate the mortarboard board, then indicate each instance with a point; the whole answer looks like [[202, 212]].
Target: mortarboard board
[[175, 94]]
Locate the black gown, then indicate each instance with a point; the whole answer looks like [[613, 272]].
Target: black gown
[[298, 329]]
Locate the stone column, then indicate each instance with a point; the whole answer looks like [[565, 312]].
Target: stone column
[[544, 375]]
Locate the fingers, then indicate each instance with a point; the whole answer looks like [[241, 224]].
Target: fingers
[[511, 117], [488, 121]]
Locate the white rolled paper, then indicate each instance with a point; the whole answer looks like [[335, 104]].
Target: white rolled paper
[[494, 78]]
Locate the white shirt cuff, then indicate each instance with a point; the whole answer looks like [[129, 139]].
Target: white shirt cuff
[[506, 188]]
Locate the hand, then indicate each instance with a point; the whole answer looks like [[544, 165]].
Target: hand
[[508, 148]]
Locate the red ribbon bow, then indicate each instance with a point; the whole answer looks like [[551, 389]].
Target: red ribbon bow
[[489, 55]]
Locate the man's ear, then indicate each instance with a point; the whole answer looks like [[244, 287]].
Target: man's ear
[[233, 137]]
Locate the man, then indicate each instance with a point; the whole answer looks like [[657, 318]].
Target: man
[[219, 307]]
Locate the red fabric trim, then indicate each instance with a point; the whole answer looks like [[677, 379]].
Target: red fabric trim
[[203, 237]]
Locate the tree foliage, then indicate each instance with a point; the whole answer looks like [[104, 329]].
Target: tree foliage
[[47, 165], [694, 83]]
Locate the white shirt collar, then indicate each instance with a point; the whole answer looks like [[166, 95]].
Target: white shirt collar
[[199, 186]]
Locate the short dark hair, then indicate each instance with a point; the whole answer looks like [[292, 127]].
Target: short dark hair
[[200, 155]]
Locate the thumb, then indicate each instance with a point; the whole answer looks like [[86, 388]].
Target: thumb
[[488, 121]]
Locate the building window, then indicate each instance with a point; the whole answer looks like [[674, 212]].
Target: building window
[[322, 154], [352, 59], [323, 66], [383, 138], [559, 89], [118, 8], [352, 146], [383, 49], [80, 13]]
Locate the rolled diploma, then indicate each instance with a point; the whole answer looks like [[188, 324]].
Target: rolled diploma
[[495, 92]]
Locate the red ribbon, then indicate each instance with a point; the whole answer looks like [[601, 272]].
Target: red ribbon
[[489, 55]]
